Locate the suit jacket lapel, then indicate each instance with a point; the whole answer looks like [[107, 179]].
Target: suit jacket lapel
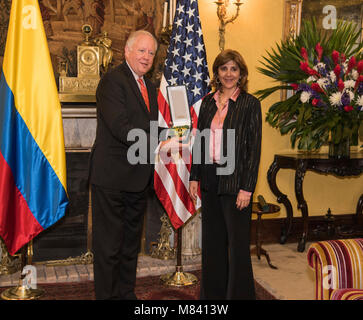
[[135, 88]]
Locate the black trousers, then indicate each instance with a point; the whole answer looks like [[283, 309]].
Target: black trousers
[[116, 234], [226, 260]]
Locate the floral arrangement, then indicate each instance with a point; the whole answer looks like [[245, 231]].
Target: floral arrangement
[[324, 73]]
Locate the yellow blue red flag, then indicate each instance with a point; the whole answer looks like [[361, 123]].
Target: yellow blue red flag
[[33, 194]]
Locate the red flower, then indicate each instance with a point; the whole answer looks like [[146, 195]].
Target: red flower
[[312, 72], [295, 86], [343, 57], [319, 50], [315, 86], [340, 85], [351, 64], [304, 66], [360, 66], [348, 108], [337, 70], [335, 55], [315, 102], [304, 53], [360, 79]]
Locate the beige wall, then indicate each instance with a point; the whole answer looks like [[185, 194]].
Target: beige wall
[[256, 30]]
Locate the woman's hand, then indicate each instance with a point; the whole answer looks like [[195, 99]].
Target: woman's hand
[[243, 199], [193, 190]]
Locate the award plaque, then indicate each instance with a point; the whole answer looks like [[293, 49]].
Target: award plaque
[[179, 108]]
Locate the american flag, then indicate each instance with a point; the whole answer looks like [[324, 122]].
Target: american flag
[[186, 64]]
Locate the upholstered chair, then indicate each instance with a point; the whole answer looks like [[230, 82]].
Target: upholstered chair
[[338, 266]]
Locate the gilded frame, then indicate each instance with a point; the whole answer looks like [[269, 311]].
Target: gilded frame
[[296, 10], [179, 106]]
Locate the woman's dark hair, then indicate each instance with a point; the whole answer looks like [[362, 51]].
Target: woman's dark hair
[[224, 57]]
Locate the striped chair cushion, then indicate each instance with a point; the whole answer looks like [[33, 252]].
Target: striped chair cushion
[[338, 264], [347, 294]]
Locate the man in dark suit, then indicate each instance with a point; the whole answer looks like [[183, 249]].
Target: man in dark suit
[[126, 100]]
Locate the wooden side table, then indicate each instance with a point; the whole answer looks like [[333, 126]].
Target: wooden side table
[[319, 163], [273, 208]]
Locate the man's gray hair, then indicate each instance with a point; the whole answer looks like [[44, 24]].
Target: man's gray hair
[[133, 36]]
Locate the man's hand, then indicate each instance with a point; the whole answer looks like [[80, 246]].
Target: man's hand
[[173, 145]]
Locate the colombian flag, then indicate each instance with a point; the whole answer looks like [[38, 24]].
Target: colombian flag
[[33, 193]]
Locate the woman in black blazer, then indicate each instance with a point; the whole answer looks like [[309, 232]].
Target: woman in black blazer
[[226, 156]]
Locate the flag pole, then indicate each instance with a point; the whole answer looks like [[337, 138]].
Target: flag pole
[[24, 291], [179, 278], [184, 65]]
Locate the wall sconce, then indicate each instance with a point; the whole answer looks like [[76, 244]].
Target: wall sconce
[[223, 20], [168, 18]]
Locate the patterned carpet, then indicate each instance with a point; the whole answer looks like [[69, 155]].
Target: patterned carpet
[[148, 288]]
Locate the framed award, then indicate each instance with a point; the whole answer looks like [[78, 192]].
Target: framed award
[[179, 108]]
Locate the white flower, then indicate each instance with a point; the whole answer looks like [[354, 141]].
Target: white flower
[[360, 101], [355, 74], [349, 84], [320, 65], [305, 96], [323, 82], [351, 94], [310, 79], [335, 99], [332, 76]]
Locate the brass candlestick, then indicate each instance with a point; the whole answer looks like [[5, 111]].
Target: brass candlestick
[[223, 20], [165, 34]]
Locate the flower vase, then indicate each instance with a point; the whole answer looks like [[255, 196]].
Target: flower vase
[[339, 150]]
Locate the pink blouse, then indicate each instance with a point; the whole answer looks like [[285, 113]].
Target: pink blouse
[[217, 126]]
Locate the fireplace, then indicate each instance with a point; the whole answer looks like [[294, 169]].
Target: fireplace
[[71, 236], [68, 237]]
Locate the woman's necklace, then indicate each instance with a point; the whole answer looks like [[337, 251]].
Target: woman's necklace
[[223, 100]]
